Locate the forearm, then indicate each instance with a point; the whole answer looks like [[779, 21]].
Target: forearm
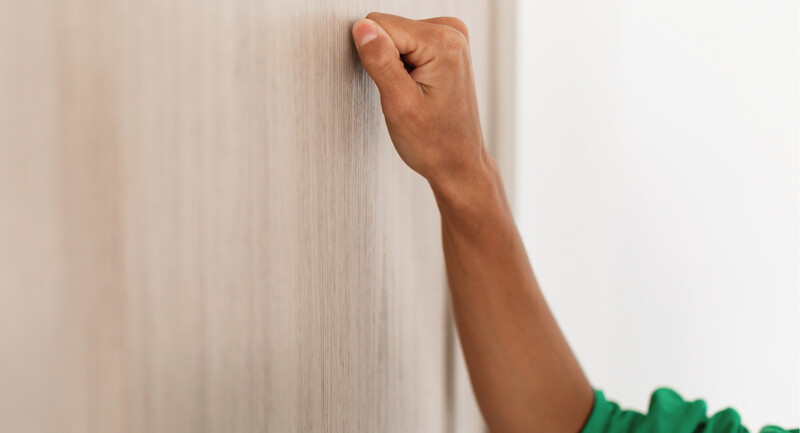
[[523, 373], [522, 370]]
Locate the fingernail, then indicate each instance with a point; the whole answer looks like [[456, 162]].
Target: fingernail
[[365, 31]]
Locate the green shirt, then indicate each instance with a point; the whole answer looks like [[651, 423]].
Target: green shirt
[[668, 413]]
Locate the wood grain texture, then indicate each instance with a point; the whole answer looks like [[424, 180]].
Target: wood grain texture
[[204, 225]]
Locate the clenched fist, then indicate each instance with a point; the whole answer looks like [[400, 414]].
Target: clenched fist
[[423, 71]]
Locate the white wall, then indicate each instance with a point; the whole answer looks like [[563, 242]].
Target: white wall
[[657, 192]]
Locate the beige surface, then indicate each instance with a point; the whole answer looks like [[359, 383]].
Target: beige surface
[[204, 226]]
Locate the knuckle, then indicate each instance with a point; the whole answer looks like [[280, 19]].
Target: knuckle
[[379, 62], [452, 40], [458, 25], [387, 64]]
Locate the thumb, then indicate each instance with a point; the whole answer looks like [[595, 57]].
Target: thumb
[[381, 59]]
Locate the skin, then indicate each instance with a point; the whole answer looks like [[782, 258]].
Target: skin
[[524, 374]]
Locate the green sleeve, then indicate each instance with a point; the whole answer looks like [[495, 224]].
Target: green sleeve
[[668, 413]]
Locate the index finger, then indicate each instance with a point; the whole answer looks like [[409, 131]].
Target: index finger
[[409, 36], [450, 22]]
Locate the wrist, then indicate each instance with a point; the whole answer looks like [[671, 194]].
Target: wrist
[[471, 195]]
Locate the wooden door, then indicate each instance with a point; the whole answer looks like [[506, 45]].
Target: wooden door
[[205, 227]]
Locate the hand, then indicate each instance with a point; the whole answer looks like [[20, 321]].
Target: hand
[[423, 72]]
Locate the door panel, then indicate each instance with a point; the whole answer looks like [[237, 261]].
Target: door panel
[[205, 227]]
